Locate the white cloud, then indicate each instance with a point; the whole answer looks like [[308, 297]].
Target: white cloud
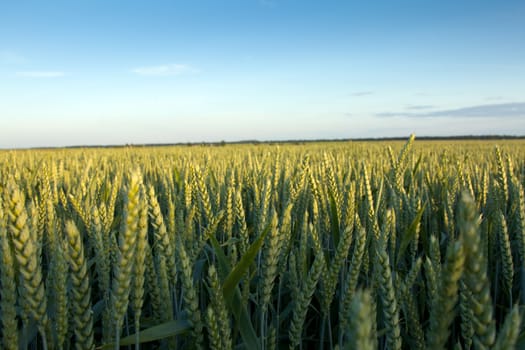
[[41, 74], [165, 70], [503, 110], [10, 57]]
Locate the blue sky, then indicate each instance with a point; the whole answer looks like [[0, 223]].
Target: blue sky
[[129, 71]]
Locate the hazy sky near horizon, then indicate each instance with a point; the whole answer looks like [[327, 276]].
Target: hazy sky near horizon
[[135, 71]]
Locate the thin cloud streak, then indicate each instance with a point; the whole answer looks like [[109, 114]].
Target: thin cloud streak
[[420, 107], [494, 98], [165, 70], [40, 74], [361, 93], [506, 110]]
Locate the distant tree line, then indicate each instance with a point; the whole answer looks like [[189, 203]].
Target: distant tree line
[[300, 142]]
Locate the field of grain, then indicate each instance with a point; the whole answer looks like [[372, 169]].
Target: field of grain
[[340, 245]]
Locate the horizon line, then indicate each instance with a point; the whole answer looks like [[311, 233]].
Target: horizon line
[[481, 137]]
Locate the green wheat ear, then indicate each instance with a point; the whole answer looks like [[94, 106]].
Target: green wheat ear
[[213, 329], [190, 296], [508, 334], [443, 310], [476, 277], [388, 298], [218, 309], [162, 239], [80, 294], [505, 252], [302, 302], [26, 252], [126, 252], [140, 268], [332, 276], [9, 320], [352, 277], [57, 287], [360, 332], [269, 268]]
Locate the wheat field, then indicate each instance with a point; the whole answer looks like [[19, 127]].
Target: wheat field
[[336, 245]]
